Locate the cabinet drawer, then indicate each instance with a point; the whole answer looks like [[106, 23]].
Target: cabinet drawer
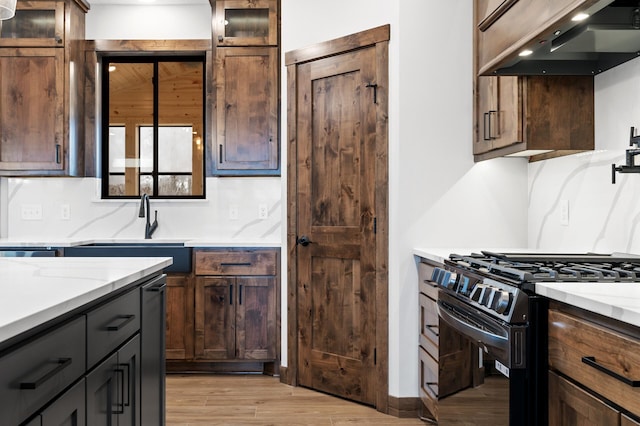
[[427, 286], [111, 324], [259, 262], [598, 358], [36, 372], [428, 374], [429, 326]]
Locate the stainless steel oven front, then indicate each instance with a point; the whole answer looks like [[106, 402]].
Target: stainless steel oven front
[[506, 330]]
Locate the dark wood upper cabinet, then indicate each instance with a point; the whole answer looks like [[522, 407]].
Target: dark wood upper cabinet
[[246, 110], [246, 88], [537, 117], [533, 116], [42, 90], [246, 23]]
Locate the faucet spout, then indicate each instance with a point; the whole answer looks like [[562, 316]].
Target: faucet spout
[[145, 211]]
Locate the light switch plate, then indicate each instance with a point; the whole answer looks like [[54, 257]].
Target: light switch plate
[[31, 211]]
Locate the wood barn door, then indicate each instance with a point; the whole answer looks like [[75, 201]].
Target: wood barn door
[[339, 226]]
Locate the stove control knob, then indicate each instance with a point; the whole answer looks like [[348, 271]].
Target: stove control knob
[[503, 303], [486, 296], [477, 292]]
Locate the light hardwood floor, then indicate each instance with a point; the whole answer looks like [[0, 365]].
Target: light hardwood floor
[[261, 400]]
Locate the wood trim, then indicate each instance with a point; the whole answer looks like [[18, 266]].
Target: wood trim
[[378, 37], [495, 15], [404, 408], [147, 46], [339, 45], [292, 222], [382, 239]]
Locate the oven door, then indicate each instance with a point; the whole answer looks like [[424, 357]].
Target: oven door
[[505, 342], [498, 396]]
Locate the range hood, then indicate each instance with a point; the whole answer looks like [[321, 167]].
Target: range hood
[[607, 38]]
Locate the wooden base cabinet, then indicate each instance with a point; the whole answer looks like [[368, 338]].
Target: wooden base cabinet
[[444, 355], [180, 306], [225, 316], [590, 360], [235, 318], [236, 305]]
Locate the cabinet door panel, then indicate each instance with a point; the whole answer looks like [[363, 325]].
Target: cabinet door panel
[[571, 406], [101, 394], [247, 109], [499, 113], [246, 22], [179, 337], [35, 24], [31, 109], [68, 410], [128, 375], [215, 318], [256, 318]]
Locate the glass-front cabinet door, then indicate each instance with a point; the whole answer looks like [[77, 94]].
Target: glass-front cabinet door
[[35, 24], [246, 23]]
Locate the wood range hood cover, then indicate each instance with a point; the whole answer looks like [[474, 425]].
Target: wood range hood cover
[[609, 37]]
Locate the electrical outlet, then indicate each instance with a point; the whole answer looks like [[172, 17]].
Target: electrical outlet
[[65, 212], [31, 212], [233, 212], [564, 212], [263, 211]]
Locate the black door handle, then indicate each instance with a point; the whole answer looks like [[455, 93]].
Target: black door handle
[[303, 241]]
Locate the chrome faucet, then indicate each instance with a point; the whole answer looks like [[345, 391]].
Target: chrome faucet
[[149, 228]]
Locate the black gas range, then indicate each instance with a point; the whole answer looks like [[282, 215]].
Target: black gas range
[[490, 298]]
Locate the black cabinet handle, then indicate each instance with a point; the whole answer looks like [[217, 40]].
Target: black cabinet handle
[[236, 264], [58, 153], [490, 132], [487, 125], [240, 295], [591, 361], [231, 294], [156, 288], [433, 387], [220, 157], [125, 319], [62, 363]]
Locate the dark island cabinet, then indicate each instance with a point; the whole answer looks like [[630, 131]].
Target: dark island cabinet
[[98, 365], [69, 409]]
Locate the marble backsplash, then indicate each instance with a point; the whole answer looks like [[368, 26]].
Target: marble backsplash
[[602, 217], [229, 212]]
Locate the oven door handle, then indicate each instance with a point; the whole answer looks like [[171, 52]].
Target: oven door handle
[[460, 323]]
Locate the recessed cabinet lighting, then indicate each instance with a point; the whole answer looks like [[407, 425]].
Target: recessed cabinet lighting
[[526, 52]]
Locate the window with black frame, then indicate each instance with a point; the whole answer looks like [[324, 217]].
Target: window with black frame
[[153, 127]]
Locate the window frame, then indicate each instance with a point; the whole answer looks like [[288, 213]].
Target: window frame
[[109, 59]]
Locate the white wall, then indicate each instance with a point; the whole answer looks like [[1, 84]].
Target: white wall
[[166, 22], [438, 197], [602, 217]]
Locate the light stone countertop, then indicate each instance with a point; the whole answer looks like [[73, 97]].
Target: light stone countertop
[[37, 290], [188, 242], [618, 300]]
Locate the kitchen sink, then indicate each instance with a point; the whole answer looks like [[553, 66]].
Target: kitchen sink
[[181, 255]]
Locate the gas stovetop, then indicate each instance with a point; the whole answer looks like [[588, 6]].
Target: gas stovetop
[[503, 284], [527, 268]]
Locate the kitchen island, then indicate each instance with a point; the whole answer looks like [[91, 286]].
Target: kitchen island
[[81, 340]]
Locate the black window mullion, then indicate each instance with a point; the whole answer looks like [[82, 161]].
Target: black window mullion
[[156, 121]]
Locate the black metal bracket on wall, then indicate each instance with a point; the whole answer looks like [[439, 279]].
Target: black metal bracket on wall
[[631, 166]]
